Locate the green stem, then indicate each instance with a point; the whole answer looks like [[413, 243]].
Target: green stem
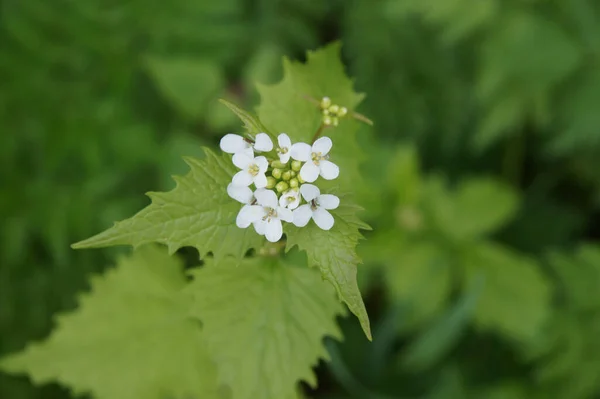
[[318, 133]]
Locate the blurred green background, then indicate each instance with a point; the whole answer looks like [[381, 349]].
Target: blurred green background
[[481, 275]]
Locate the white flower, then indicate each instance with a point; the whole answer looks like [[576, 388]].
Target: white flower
[[244, 195], [253, 170], [316, 160], [316, 208], [266, 216], [233, 144], [284, 150], [290, 199]]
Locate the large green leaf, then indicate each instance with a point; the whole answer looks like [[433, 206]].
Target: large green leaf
[[130, 338], [516, 295], [264, 322], [197, 212], [334, 252]]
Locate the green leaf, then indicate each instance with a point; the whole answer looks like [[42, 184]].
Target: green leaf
[[477, 207], [197, 212], [516, 295], [334, 252], [130, 338], [284, 107], [264, 322], [251, 124], [189, 83]]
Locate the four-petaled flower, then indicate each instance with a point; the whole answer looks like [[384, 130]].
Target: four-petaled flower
[[266, 215], [317, 207], [290, 199], [316, 159], [284, 149], [252, 170], [233, 144]]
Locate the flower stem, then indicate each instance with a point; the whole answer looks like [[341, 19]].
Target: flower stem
[[318, 133]]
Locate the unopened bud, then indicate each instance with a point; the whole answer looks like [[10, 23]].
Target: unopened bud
[[336, 121], [277, 173], [281, 186], [300, 179], [334, 109], [342, 112], [294, 183], [325, 102], [296, 165], [271, 182], [293, 173], [287, 175], [278, 164], [327, 120]]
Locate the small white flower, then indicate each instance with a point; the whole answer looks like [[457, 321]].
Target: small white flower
[[266, 216], [233, 144], [316, 208], [316, 159], [290, 199], [285, 146], [253, 170], [248, 212]]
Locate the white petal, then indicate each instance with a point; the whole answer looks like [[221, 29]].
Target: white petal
[[242, 178], [309, 172], [262, 163], [284, 141], [323, 219], [274, 230], [285, 214], [284, 158], [329, 170], [249, 151], [233, 143], [328, 201], [293, 204], [266, 198], [242, 194], [309, 192], [260, 180], [302, 215], [300, 152], [248, 215], [263, 142], [242, 160], [260, 226], [322, 145]]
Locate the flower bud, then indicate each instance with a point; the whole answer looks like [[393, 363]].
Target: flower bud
[[300, 179], [325, 102], [336, 121], [294, 183], [278, 164], [342, 112], [296, 166], [277, 173], [293, 173], [327, 120], [281, 186], [334, 109], [271, 182], [287, 175]]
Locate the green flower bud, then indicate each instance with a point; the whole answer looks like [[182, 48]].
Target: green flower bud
[[334, 109], [327, 120], [342, 112], [293, 173], [325, 102], [296, 165], [281, 186], [287, 175], [271, 182], [294, 183], [300, 179], [336, 121], [277, 173], [278, 164]]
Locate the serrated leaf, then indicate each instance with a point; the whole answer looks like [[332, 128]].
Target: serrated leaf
[[197, 212], [251, 123], [264, 322], [516, 296], [189, 83], [334, 253], [284, 107], [477, 207], [130, 338]]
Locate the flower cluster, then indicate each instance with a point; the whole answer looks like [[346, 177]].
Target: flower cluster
[[281, 178]]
